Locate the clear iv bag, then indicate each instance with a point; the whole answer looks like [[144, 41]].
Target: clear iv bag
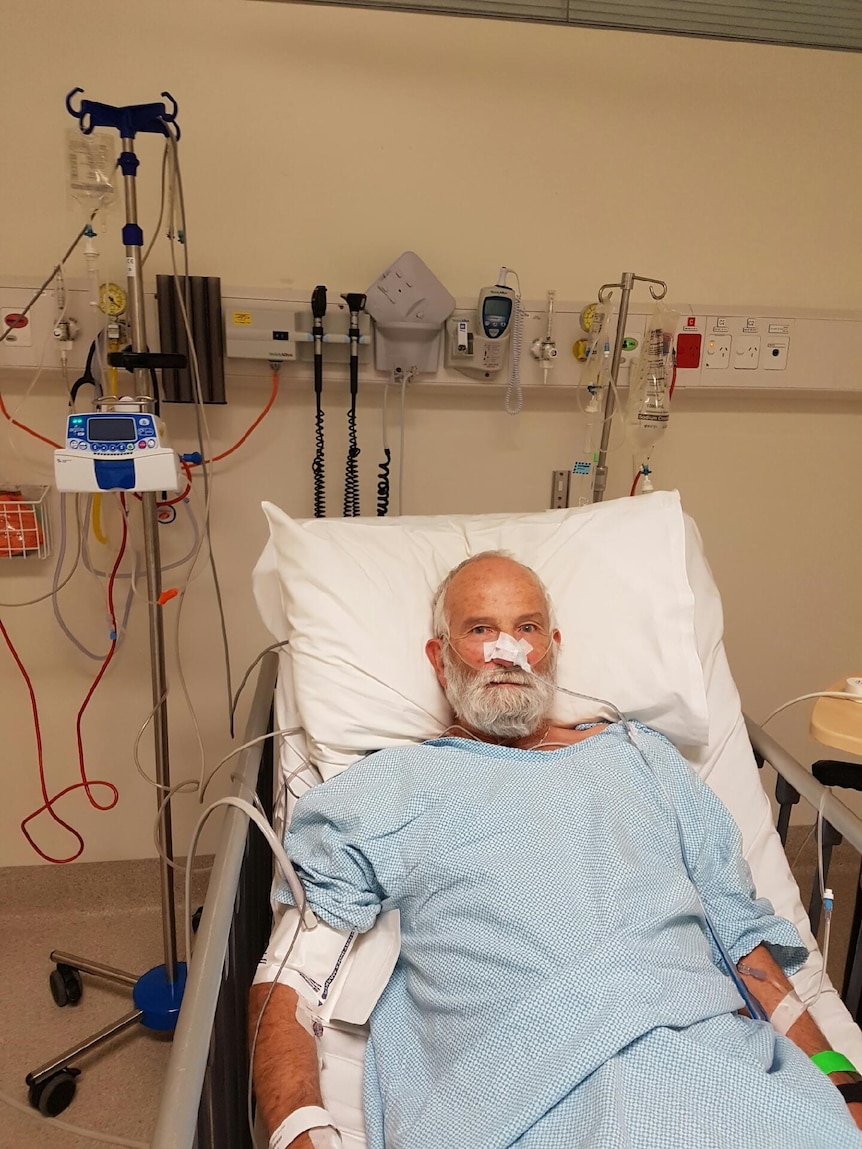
[[92, 168], [649, 392]]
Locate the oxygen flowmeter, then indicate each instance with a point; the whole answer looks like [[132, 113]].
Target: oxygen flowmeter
[[117, 450]]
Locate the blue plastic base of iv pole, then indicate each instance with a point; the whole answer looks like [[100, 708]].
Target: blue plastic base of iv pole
[[158, 999]]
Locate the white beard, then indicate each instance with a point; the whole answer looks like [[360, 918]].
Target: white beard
[[501, 712]]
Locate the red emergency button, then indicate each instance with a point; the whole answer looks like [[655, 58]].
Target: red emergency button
[[13, 319]]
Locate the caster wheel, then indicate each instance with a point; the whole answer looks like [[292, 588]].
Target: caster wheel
[[66, 985], [54, 1094]]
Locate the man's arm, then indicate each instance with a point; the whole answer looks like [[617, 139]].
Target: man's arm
[[770, 989], [286, 1075]]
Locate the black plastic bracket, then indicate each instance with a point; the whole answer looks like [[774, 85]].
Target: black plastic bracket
[[145, 360]]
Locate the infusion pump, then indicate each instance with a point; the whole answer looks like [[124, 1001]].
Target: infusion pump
[[115, 451]]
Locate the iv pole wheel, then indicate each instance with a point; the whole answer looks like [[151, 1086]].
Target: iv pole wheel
[[66, 985], [54, 1094]]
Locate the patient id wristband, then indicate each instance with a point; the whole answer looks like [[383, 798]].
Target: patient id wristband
[[309, 1117], [830, 1061]]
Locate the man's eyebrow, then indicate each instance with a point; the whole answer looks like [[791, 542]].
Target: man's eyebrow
[[480, 619]]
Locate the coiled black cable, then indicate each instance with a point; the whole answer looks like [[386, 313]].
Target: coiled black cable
[[383, 485], [317, 467], [351, 471]]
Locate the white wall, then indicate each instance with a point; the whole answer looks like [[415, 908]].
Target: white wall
[[318, 145]]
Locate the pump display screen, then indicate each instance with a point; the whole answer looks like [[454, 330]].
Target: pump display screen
[[119, 430]]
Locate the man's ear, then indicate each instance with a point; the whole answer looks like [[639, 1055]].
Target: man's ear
[[434, 651]]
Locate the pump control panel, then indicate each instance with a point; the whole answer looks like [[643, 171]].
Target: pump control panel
[[111, 434]]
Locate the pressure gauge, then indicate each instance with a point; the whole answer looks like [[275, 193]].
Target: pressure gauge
[[112, 299], [587, 316]]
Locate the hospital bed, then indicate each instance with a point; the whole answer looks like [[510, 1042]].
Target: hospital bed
[[351, 599]]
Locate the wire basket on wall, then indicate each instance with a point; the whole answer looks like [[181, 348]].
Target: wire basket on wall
[[25, 528]]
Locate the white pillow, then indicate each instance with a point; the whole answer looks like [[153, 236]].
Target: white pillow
[[356, 599]]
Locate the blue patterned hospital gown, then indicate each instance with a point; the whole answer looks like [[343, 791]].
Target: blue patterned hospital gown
[[556, 986]]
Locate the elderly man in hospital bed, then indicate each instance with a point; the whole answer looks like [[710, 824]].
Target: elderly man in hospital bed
[[560, 980]]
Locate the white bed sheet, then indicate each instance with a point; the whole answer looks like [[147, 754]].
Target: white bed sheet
[[725, 761]]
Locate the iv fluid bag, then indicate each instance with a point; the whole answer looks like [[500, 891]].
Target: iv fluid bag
[[649, 394], [92, 164]]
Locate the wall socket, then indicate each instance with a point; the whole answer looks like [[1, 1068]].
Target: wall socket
[[746, 352], [716, 352], [559, 489]]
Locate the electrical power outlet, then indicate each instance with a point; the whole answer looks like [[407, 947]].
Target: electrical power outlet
[[716, 353], [559, 489], [746, 352]]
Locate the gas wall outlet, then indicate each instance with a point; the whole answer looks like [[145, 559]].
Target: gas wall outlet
[[746, 352], [21, 334], [716, 352]]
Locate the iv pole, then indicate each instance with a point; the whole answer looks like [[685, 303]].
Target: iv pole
[[157, 994], [627, 282]]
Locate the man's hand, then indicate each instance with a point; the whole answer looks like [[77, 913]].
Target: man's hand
[[804, 1032]]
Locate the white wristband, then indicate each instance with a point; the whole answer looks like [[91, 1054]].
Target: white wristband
[[787, 1013], [300, 1121]]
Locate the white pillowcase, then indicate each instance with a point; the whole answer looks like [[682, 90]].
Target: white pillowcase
[[354, 598]]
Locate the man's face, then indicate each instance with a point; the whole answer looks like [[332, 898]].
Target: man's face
[[487, 598]]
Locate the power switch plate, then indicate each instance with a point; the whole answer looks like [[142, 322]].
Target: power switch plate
[[716, 356]]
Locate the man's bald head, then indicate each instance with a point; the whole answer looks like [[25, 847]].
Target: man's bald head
[[495, 563]]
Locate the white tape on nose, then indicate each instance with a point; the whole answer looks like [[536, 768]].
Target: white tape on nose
[[512, 650]]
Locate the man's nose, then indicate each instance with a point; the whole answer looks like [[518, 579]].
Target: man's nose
[[498, 661]]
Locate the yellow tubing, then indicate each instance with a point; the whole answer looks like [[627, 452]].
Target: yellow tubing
[[97, 519]]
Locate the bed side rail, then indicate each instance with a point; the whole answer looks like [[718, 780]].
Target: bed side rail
[[839, 822], [834, 810], [203, 1102]]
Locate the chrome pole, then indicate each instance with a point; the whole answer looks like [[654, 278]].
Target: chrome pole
[[133, 242]]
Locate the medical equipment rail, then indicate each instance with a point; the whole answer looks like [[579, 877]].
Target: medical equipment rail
[[203, 1103]]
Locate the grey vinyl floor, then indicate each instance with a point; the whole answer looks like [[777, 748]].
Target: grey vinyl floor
[[107, 912], [110, 912]]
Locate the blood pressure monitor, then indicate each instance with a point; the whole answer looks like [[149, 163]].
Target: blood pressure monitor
[[115, 450]]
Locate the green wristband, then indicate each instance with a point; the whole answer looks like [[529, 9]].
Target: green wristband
[[832, 1062]]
